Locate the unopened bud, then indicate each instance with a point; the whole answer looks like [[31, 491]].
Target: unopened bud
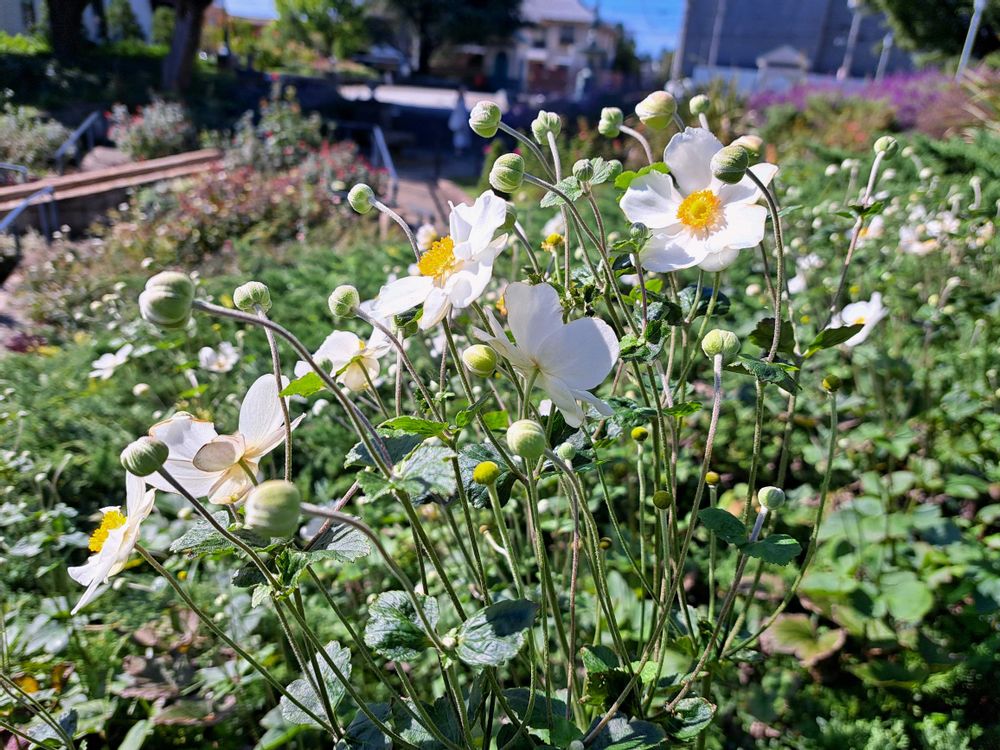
[[605, 543], [583, 170], [614, 169], [486, 473], [362, 198], [657, 110], [753, 144], [248, 296], [717, 341], [712, 478], [831, 384], [166, 300], [545, 123], [566, 451], [343, 301], [699, 105], [480, 360], [730, 164], [507, 173], [640, 434], [144, 456], [526, 438], [485, 119], [887, 145], [272, 509], [639, 232], [610, 124], [662, 499], [771, 498]]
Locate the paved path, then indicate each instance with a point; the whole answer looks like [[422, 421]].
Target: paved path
[[421, 96]]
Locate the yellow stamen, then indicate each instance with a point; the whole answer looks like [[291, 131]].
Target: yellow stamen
[[860, 320], [113, 519], [439, 260], [700, 210]]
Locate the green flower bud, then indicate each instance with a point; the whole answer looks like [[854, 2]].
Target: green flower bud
[[480, 360], [712, 478], [343, 301], [730, 164], [144, 456], [526, 438], [485, 119], [753, 144], [887, 145], [362, 198], [610, 124], [639, 233], [486, 473], [605, 543], [507, 173], [699, 105], [166, 300], [614, 169], [248, 296], [718, 341], [566, 451], [583, 170], [662, 499], [640, 434], [771, 498], [272, 509], [831, 384], [545, 123], [575, 745], [657, 110]]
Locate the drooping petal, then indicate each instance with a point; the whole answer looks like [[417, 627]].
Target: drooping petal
[[337, 349], [580, 354], [652, 199], [671, 250], [138, 499], [602, 407], [689, 155], [473, 227], [183, 434], [533, 312], [232, 485], [563, 398], [719, 261], [219, 454], [260, 413], [436, 307], [502, 345], [467, 285], [401, 295]]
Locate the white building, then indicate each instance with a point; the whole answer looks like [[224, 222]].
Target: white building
[[20, 16]]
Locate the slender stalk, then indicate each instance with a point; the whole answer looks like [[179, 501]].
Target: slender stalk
[[286, 419], [642, 141], [402, 224]]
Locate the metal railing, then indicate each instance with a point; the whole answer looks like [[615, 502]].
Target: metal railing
[[86, 129], [48, 216]]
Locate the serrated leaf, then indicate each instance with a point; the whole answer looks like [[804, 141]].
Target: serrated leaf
[[779, 549], [394, 628], [428, 473], [202, 538], [766, 372], [469, 458], [832, 337], [603, 169], [307, 385], [622, 734], [626, 178], [724, 525], [305, 693], [562, 732], [568, 185], [689, 297], [690, 717], [683, 409], [795, 634], [628, 413], [604, 679], [415, 426], [634, 348], [375, 486], [763, 336], [493, 636], [342, 543], [399, 445]]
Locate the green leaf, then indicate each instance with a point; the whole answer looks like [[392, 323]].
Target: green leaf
[[605, 679], [305, 693], [776, 548], [137, 735], [628, 413], [340, 542], [689, 298], [622, 734], [690, 717], [394, 628], [795, 634], [683, 409], [724, 525], [832, 337], [428, 473], [626, 178], [563, 730], [399, 445], [202, 538], [468, 459], [766, 372], [362, 734], [375, 486], [633, 348], [494, 635], [307, 385], [906, 596], [603, 170], [763, 336], [443, 716], [415, 426], [568, 185]]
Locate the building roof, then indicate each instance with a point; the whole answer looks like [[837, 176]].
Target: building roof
[[558, 11]]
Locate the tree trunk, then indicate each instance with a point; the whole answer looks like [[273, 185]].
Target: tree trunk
[[66, 27], [179, 63]]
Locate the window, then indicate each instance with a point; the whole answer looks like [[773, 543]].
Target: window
[[567, 35], [538, 39], [28, 14]]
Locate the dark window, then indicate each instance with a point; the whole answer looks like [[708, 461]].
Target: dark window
[[28, 14], [538, 41], [567, 35]]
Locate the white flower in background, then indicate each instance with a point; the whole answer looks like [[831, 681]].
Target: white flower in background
[[104, 366], [873, 231], [219, 467], [555, 225], [800, 280], [565, 360], [219, 360], [426, 235], [701, 221], [349, 358], [457, 268], [945, 223], [113, 541], [867, 314], [910, 242]]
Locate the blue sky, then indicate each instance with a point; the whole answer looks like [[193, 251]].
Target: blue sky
[[654, 23]]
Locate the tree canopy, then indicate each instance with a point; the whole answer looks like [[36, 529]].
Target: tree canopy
[[940, 26], [332, 27]]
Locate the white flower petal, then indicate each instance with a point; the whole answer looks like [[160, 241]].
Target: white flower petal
[[474, 226], [533, 312], [466, 285], [580, 354], [652, 199], [401, 295], [138, 500], [436, 307], [232, 485], [689, 155], [719, 261], [563, 398], [672, 250], [260, 413], [743, 225], [219, 454]]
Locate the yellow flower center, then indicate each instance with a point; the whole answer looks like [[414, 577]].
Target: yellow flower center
[[440, 260], [113, 519], [860, 320], [701, 210]]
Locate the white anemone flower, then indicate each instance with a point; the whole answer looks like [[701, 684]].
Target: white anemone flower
[[113, 541], [220, 467], [219, 360], [866, 314], [353, 361], [566, 360], [696, 219], [104, 366], [456, 269]]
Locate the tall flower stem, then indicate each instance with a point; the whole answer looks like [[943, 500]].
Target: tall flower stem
[[402, 224], [642, 141], [286, 419], [530, 145], [779, 247], [557, 176]]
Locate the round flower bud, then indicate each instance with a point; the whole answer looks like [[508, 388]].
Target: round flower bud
[[583, 170], [545, 123], [718, 341], [639, 232], [343, 301], [575, 745], [712, 478], [507, 173], [610, 124], [272, 509], [566, 451], [730, 164], [361, 197], [699, 105], [605, 543], [486, 473], [248, 296], [449, 642], [662, 499], [640, 434], [657, 110], [527, 439], [485, 119], [144, 456], [886, 145], [166, 300], [480, 360], [614, 169], [831, 384], [753, 144], [771, 498]]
